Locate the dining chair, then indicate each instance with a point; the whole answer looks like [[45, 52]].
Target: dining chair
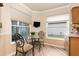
[[21, 45], [41, 35]]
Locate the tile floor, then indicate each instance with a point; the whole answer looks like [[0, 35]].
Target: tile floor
[[49, 51]]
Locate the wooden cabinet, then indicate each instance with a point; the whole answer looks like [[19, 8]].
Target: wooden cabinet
[[75, 14], [74, 46]]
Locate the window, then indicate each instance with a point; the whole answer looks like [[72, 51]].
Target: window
[[56, 29], [20, 27], [57, 26]]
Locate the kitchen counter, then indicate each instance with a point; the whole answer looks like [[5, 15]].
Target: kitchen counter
[[74, 45], [74, 35]]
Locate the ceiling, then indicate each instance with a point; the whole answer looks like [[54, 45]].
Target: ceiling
[[44, 6]]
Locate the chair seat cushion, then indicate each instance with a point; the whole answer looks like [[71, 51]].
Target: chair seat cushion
[[40, 40], [26, 47]]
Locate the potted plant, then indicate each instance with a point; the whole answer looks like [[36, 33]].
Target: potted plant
[[32, 34]]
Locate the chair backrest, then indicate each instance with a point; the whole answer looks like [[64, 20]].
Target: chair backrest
[[19, 40], [41, 34]]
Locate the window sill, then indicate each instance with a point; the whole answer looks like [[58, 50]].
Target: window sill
[[12, 42], [55, 38]]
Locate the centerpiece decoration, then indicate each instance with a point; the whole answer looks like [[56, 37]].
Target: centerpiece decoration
[[32, 34]]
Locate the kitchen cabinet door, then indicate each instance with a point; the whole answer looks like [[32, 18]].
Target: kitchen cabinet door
[[75, 14]]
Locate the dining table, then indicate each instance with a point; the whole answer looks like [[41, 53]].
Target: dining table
[[35, 41]]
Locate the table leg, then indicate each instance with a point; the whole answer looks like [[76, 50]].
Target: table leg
[[39, 45], [33, 51]]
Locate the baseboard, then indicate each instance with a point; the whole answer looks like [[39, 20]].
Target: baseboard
[[54, 45], [12, 54]]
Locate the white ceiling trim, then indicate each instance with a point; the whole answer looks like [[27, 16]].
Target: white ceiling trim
[[26, 7], [46, 11], [21, 7], [67, 6]]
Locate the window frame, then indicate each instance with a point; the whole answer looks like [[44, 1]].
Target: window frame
[[18, 25], [57, 38], [67, 24]]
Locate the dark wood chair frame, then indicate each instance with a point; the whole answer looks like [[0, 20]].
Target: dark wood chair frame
[[20, 42]]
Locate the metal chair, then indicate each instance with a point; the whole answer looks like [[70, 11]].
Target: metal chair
[[21, 45]]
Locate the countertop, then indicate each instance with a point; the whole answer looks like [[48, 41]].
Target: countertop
[[74, 35]]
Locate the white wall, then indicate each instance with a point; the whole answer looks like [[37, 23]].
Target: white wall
[[20, 16], [41, 18], [8, 13], [62, 17], [57, 11]]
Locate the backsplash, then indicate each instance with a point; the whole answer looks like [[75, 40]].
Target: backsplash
[[75, 28]]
